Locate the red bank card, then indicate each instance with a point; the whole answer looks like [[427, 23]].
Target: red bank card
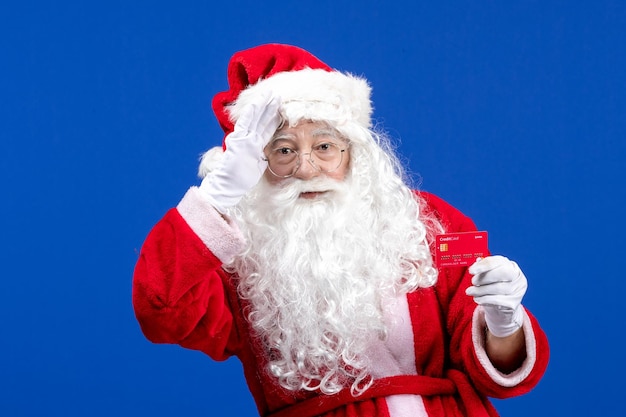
[[460, 249]]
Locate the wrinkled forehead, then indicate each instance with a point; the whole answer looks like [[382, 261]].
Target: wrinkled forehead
[[308, 129]]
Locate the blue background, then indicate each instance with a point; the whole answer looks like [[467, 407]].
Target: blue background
[[515, 112]]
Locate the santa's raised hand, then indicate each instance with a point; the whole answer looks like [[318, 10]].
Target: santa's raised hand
[[498, 286], [241, 166]]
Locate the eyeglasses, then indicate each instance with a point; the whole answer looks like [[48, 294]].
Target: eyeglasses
[[284, 161]]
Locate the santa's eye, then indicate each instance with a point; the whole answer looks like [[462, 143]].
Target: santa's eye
[[323, 147], [284, 151]]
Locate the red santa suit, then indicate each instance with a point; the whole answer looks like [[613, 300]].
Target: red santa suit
[[433, 362]]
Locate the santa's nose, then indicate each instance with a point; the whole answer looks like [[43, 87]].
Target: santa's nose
[[306, 170]]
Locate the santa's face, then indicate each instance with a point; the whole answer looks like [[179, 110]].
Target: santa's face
[[309, 143]]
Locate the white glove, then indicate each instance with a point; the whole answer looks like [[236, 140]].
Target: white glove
[[242, 164], [499, 286]]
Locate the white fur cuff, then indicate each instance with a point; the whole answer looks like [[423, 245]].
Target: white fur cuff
[[478, 337], [222, 237]]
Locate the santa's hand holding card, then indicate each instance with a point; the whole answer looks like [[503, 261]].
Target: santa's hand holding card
[[498, 286]]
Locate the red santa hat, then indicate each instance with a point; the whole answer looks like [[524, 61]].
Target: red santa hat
[[308, 89]]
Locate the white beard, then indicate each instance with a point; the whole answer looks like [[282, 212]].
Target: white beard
[[314, 273]]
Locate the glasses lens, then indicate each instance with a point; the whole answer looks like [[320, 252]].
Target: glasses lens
[[327, 156], [283, 161]]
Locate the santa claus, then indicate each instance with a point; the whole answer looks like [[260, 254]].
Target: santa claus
[[304, 253]]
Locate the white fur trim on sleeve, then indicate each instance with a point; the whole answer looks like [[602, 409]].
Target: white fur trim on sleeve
[[221, 236], [478, 336]]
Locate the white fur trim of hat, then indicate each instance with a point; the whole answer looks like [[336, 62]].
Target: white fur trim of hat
[[308, 94], [313, 94]]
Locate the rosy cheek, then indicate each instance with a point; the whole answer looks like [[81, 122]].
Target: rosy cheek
[[271, 178], [341, 173], [337, 175]]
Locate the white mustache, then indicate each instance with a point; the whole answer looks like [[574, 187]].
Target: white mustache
[[295, 187]]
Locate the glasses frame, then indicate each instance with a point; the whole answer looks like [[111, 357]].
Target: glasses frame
[[311, 161]]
